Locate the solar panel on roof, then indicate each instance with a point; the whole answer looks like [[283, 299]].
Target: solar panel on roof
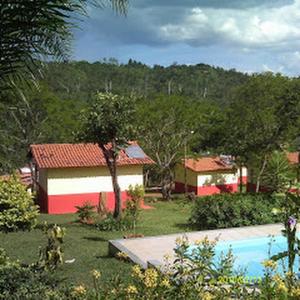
[[135, 151]]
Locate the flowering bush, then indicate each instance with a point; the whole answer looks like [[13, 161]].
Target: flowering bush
[[17, 209], [192, 275]]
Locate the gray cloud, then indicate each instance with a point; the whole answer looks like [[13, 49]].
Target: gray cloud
[[254, 28]]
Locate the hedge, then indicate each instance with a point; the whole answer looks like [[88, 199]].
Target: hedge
[[233, 210]]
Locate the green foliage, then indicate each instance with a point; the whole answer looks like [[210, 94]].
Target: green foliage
[[108, 122], [27, 36], [19, 282], [233, 210], [262, 116], [38, 117], [86, 212], [278, 175], [79, 80], [195, 276], [166, 125], [110, 223], [132, 210], [51, 256], [289, 212], [109, 117], [17, 209]]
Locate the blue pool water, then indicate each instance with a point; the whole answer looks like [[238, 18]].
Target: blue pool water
[[250, 253]]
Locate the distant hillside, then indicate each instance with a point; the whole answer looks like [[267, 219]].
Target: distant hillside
[[81, 79]]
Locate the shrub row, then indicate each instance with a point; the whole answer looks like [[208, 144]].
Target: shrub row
[[233, 210]]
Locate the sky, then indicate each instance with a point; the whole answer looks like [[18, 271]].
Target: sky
[[247, 35]]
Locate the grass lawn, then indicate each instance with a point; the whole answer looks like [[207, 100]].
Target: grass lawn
[[89, 246]]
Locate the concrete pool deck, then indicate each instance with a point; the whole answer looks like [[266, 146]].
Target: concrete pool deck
[[151, 250]]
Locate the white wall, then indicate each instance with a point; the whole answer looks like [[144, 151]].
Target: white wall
[[217, 178], [91, 180]]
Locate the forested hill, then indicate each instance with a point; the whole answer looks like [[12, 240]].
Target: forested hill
[[80, 80]]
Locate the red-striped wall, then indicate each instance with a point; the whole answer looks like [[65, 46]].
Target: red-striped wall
[[209, 189], [62, 204]]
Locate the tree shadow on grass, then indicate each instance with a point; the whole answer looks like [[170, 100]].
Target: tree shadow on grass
[[95, 238], [185, 226]]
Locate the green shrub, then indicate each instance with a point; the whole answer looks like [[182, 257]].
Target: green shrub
[[109, 223], [86, 212], [17, 209], [233, 210], [132, 210], [18, 282]]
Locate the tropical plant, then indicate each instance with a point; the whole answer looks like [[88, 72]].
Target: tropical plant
[[278, 175], [86, 212], [35, 30], [17, 208], [108, 122]]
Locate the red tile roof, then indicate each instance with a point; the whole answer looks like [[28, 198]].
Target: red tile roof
[[78, 155], [207, 164], [293, 157], [25, 178]]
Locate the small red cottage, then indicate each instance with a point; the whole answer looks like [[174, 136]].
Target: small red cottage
[[207, 176], [68, 175]]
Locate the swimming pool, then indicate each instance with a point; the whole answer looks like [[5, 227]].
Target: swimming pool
[[250, 253]]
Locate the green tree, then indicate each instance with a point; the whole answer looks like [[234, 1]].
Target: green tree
[[108, 122], [166, 125], [17, 209], [261, 118]]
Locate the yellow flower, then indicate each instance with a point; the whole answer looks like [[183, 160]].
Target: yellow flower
[[165, 283], [122, 256], [79, 290], [281, 287], [150, 279], [137, 272], [198, 242], [295, 292], [270, 264], [207, 296], [167, 257], [96, 274], [178, 241], [131, 289]]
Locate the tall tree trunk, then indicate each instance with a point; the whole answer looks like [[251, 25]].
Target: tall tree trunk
[[166, 187], [241, 178], [260, 174], [111, 161]]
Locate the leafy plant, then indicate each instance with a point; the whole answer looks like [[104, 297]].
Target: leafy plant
[[17, 209], [86, 212], [52, 255], [109, 223], [233, 210], [132, 210], [290, 214], [278, 174]]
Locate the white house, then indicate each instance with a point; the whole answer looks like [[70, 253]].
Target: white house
[[68, 175], [207, 176]]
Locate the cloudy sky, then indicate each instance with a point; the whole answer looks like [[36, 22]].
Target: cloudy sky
[[248, 35]]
